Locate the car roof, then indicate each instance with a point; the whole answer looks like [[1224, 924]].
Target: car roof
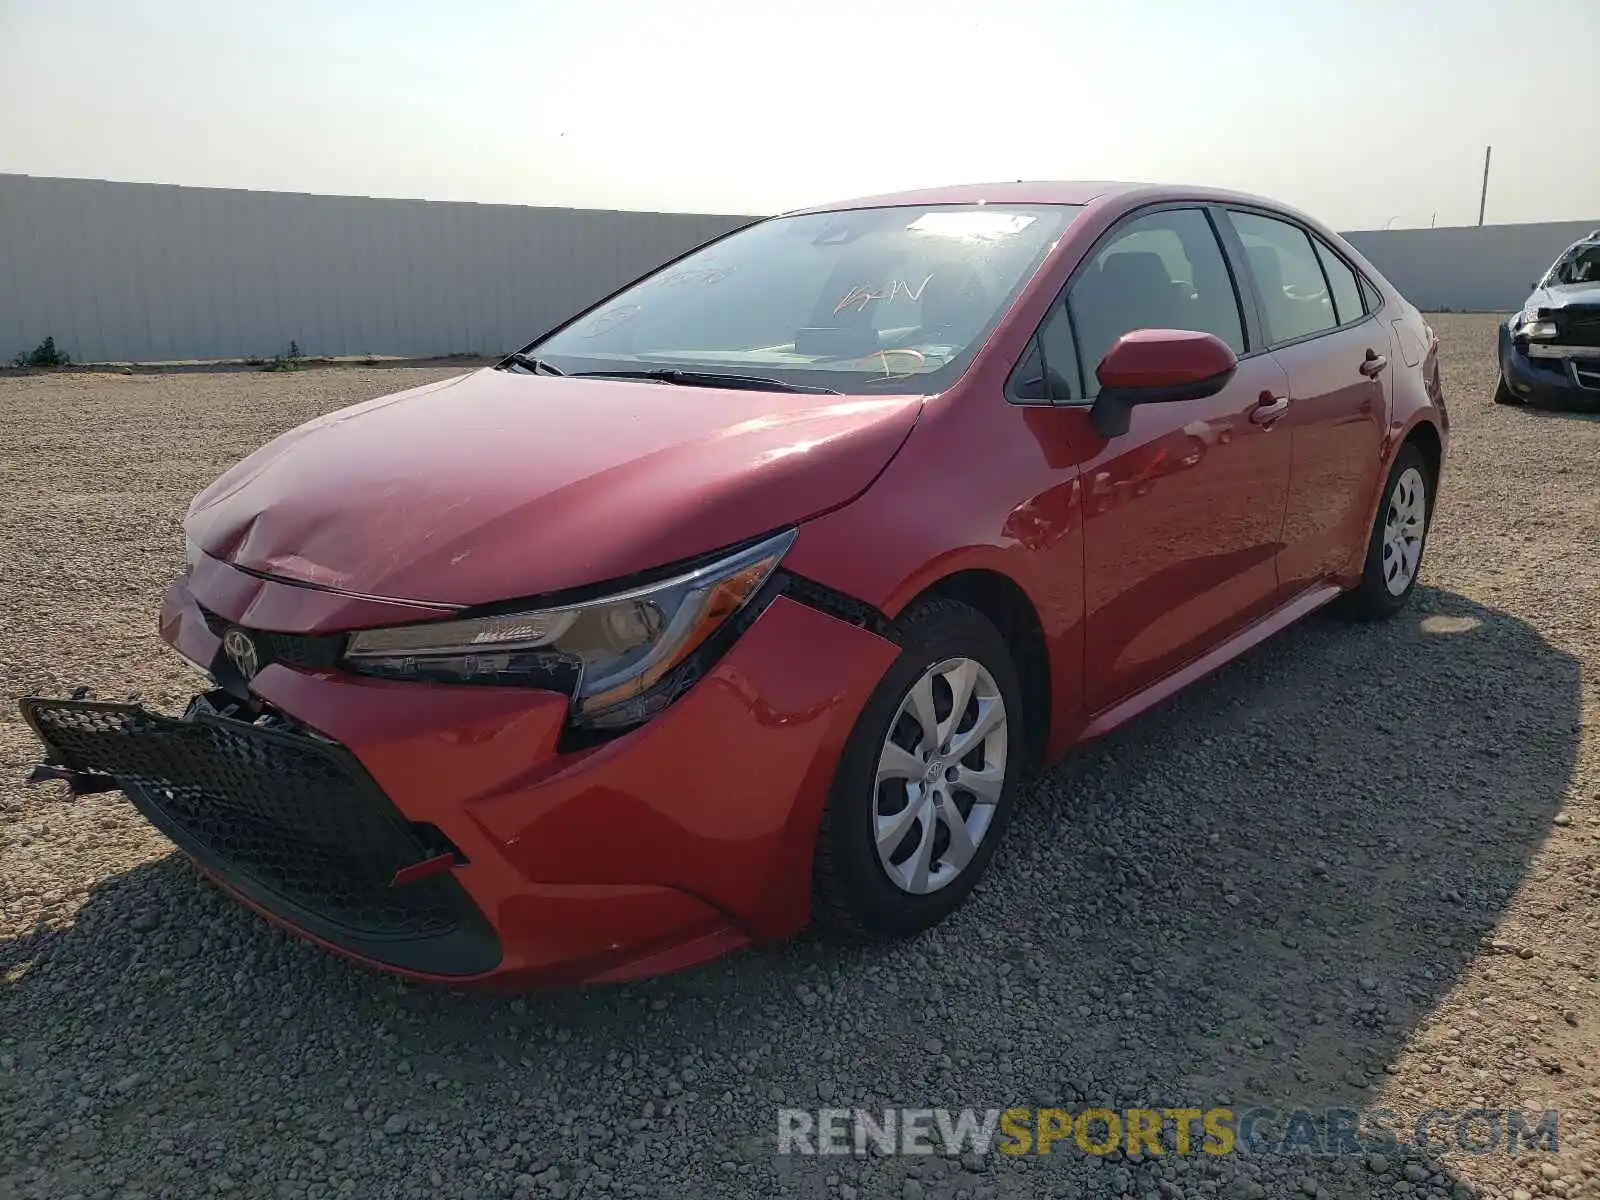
[[1022, 191]]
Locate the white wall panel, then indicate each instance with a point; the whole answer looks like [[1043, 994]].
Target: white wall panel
[[1489, 268], [144, 272]]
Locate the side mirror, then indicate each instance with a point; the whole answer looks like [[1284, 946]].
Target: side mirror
[[1157, 366]]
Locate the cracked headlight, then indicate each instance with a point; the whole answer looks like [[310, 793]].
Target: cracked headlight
[[605, 653], [1532, 325]]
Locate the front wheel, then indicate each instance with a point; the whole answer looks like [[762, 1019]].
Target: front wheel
[[1399, 535], [927, 781]]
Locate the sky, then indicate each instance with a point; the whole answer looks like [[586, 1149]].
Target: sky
[[1365, 113]]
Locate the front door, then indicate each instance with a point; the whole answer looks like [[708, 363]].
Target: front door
[[1183, 514]]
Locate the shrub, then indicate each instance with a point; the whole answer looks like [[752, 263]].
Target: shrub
[[287, 362], [44, 354]]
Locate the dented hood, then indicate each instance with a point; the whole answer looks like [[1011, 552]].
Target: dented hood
[[497, 485], [1565, 295]]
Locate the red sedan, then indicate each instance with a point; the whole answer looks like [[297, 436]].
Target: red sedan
[[752, 593]]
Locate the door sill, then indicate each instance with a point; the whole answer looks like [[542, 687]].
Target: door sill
[[1304, 604]]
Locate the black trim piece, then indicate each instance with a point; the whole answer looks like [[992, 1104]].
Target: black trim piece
[[1113, 407], [835, 604], [1244, 284], [333, 591]]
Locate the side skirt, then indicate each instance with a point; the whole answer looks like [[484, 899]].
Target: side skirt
[[1302, 605]]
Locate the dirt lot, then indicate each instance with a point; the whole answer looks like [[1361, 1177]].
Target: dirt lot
[[1358, 868]]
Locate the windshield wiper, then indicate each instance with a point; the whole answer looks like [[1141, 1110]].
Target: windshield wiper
[[529, 363], [712, 379]]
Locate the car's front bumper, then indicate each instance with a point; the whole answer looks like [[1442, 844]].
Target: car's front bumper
[[668, 845], [1553, 378]]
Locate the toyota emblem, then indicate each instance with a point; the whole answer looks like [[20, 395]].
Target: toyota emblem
[[241, 651]]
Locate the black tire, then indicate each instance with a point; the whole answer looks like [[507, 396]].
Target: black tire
[[1504, 395], [1371, 599], [853, 894]]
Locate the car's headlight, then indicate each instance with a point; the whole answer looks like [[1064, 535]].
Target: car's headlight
[[1532, 325], [605, 653], [191, 552]]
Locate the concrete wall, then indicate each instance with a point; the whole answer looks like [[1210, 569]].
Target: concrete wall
[[1473, 269], [146, 272]]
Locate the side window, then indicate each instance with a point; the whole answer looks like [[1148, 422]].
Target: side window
[[1342, 284], [1027, 377], [1060, 356], [1370, 294], [1163, 271], [1288, 278]]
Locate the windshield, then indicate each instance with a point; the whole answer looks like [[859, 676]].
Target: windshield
[[883, 299], [1580, 264]]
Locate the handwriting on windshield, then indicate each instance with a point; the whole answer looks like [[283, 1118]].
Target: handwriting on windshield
[[861, 295], [706, 275], [885, 357], [607, 321]]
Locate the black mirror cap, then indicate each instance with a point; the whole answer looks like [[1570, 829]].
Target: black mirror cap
[[1113, 407]]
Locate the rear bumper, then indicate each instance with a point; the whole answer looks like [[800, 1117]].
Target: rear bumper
[[673, 843], [1549, 382]]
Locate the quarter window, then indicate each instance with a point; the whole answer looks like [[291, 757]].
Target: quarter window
[[1060, 357], [1162, 271], [1370, 295], [1342, 284], [1288, 278]]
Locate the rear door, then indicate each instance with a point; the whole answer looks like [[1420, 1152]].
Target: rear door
[[1335, 352]]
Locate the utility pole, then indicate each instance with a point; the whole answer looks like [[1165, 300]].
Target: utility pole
[[1483, 197]]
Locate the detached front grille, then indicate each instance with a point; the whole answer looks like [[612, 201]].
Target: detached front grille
[[291, 821]]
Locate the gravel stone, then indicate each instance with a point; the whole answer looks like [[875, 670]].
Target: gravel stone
[[1322, 877]]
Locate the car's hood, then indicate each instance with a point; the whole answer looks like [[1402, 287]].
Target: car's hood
[[1565, 295], [496, 485]]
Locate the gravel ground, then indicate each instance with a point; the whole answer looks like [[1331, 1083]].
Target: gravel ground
[[1357, 868]]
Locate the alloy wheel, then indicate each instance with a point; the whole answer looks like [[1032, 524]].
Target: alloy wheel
[[1403, 530], [941, 772]]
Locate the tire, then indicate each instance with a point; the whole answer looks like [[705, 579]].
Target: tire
[[1504, 395], [1379, 594], [857, 890]]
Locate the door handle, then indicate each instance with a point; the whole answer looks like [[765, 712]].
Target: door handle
[[1269, 408], [1374, 363]]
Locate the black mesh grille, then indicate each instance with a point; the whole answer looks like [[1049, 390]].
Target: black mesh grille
[[1579, 327], [293, 821], [302, 650]]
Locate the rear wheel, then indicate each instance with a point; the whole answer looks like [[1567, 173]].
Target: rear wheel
[[1504, 395], [927, 781], [1399, 535]]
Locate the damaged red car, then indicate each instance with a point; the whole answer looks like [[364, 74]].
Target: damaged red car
[[754, 592]]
